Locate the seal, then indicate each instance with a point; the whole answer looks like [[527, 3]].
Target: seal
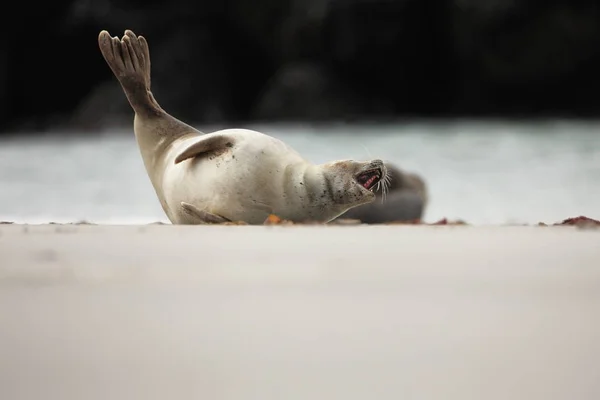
[[232, 174], [405, 200]]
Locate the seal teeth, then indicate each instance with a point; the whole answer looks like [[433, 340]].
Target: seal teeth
[[369, 179], [370, 183]]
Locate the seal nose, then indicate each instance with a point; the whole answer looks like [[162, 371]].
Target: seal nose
[[377, 164], [382, 168]]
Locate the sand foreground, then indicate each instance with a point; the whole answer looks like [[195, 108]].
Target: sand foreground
[[302, 312]]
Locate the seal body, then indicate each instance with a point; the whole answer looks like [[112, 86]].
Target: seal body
[[231, 174], [252, 176]]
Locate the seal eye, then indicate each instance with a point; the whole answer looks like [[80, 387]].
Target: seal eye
[[369, 179]]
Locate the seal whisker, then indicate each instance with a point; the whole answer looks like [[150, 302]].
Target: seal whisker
[[377, 186], [367, 150], [385, 182]]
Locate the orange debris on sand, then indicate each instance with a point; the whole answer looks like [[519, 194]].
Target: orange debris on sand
[[273, 219]]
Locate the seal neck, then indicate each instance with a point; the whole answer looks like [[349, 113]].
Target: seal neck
[[320, 188]]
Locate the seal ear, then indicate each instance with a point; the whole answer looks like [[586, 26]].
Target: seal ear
[[204, 145]]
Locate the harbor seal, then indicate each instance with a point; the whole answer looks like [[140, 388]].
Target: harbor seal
[[405, 200], [231, 174]]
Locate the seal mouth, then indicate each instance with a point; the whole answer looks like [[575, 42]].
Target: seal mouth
[[369, 179]]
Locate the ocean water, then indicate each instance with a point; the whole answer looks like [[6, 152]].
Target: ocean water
[[482, 172]]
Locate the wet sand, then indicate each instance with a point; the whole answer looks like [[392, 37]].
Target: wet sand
[[299, 312]]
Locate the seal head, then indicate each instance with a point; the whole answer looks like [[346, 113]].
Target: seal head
[[352, 183]]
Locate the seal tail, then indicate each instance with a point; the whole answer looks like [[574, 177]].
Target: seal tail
[[129, 60]]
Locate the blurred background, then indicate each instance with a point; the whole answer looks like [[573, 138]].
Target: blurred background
[[492, 104]]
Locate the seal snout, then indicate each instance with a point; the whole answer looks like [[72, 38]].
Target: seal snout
[[371, 175]]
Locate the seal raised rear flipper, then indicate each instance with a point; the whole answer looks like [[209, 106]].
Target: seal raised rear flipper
[[129, 60], [201, 216], [203, 145]]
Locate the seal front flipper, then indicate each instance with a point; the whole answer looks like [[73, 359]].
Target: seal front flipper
[[203, 217], [203, 145]]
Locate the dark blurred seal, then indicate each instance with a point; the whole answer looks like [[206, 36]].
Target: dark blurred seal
[[405, 201]]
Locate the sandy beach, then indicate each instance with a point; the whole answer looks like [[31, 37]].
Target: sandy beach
[[299, 312]]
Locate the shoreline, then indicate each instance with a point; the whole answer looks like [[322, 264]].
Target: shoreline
[[579, 221]]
